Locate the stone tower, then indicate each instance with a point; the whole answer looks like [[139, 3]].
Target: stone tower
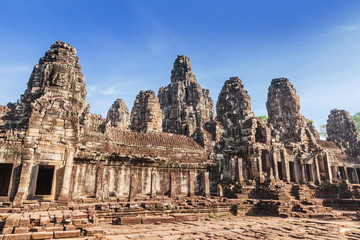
[[118, 115], [233, 106], [146, 115], [185, 104], [283, 106], [341, 128], [52, 106]]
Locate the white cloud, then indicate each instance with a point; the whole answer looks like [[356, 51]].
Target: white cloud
[[348, 28], [341, 28]]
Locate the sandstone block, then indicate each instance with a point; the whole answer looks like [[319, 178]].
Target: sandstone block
[[5, 210], [21, 230], [12, 221], [148, 220], [129, 220], [53, 229], [42, 235], [7, 230], [93, 231], [185, 217], [24, 222], [67, 234], [21, 236]]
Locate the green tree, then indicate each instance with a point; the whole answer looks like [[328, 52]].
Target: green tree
[[309, 121], [322, 131], [356, 117], [264, 118]]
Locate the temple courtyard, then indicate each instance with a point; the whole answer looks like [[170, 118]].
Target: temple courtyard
[[240, 227]]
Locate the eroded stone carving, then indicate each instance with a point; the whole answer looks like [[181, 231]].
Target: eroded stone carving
[[185, 104], [146, 115], [233, 106], [341, 129], [118, 115]]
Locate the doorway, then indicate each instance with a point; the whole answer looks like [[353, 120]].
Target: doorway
[[292, 171], [44, 180], [5, 178]]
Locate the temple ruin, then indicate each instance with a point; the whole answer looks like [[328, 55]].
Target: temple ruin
[[170, 157]]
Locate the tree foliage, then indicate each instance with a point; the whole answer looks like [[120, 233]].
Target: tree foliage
[[322, 131], [356, 117], [264, 118]]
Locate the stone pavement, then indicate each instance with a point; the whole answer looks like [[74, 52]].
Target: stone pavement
[[234, 227]]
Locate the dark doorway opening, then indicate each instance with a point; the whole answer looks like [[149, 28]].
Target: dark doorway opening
[[308, 172], [5, 177], [351, 175], [280, 170], [358, 173], [264, 164], [292, 171], [44, 180], [342, 172]]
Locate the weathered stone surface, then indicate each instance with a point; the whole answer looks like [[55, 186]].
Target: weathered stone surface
[[233, 106], [67, 234], [313, 130], [341, 129], [20, 236], [129, 220], [42, 235], [148, 220], [118, 115], [52, 106], [185, 104], [283, 106], [146, 115]]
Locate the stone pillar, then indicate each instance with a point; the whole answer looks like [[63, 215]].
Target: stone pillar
[[346, 174], [239, 176], [269, 170], [260, 169], [191, 184], [206, 184], [285, 168], [153, 184], [132, 192], [356, 176], [327, 168], [297, 170], [172, 185], [219, 190], [64, 197], [25, 177], [303, 173], [317, 178], [275, 164], [100, 180]]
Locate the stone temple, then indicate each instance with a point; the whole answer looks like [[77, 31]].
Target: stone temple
[[171, 158]]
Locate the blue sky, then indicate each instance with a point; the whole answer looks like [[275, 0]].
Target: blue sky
[[128, 46]]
